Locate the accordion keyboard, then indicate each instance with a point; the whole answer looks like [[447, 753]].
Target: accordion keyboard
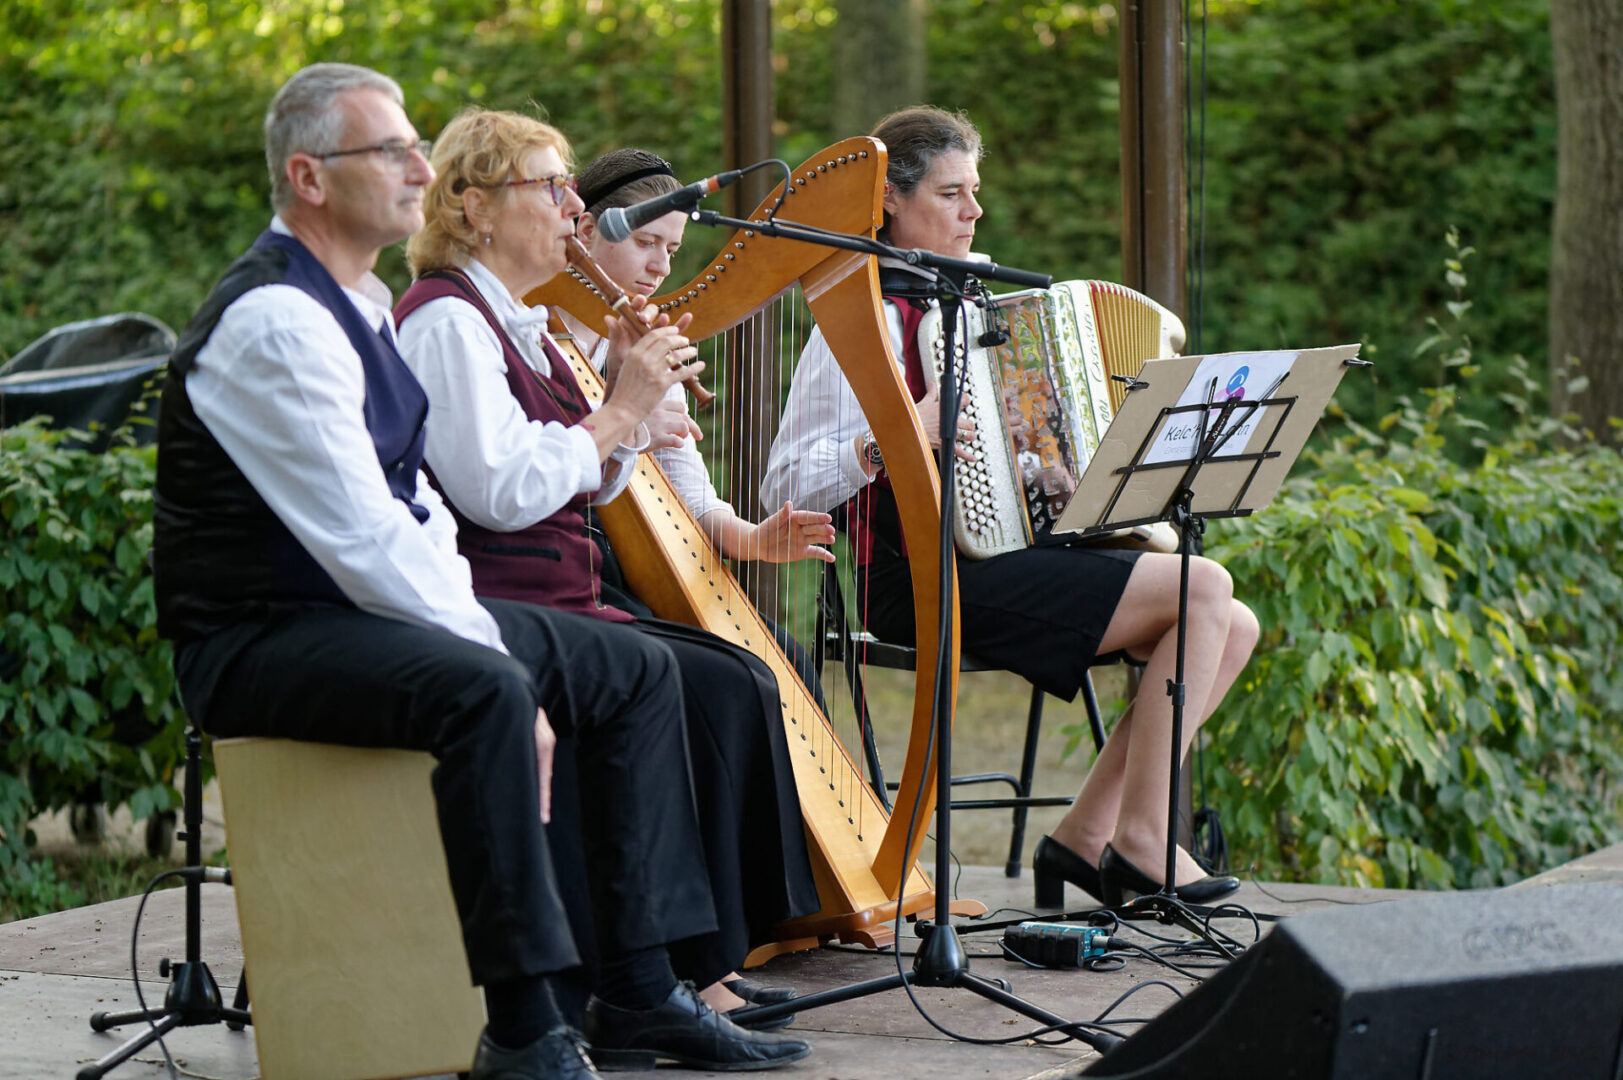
[[991, 516]]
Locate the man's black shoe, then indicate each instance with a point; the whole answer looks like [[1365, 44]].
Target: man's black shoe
[[557, 1055], [684, 1030]]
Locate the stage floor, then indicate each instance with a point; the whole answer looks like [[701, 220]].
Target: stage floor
[[56, 970]]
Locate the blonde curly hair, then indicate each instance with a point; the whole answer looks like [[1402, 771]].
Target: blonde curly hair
[[478, 148]]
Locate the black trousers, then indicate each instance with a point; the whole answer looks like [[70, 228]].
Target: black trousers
[[347, 677], [749, 815]]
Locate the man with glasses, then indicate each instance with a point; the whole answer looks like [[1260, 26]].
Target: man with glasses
[[308, 576]]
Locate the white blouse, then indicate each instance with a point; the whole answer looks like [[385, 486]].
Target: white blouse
[[501, 469], [814, 458]]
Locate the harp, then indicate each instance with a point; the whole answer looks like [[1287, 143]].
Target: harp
[[863, 858]]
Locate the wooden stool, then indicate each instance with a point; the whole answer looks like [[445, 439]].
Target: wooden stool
[[350, 937]]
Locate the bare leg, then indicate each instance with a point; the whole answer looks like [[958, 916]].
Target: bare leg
[[1125, 795], [1091, 821], [721, 999]]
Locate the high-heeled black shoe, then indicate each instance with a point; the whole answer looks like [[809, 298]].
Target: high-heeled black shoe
[[1053, 864], [755, 993], [758, 993], [1121, 880]]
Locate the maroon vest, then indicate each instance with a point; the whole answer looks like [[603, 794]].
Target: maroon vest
[[871, 515], [552, 562]]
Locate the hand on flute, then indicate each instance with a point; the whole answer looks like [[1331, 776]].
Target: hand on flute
[[640, 369]]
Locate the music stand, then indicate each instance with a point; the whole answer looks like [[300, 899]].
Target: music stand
[[1173, 453]]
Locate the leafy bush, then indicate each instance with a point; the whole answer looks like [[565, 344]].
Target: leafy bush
[[88, 710], [132, 167], [1435, 701]]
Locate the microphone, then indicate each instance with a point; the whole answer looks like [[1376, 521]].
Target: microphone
[[619, 222]]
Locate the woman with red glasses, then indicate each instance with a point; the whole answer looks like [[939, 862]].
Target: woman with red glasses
[[519, 454]]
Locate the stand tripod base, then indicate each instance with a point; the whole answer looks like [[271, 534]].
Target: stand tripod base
[[193, 999], [940, 962]]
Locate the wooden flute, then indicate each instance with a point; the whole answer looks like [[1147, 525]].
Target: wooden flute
[[617, 299]]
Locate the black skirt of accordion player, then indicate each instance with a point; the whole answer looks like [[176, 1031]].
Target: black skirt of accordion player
[[1038, 612]]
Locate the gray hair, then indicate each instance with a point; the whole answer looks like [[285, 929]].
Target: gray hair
[[303, 119], [916, 136]]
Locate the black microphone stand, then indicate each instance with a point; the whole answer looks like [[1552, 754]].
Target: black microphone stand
[[941, 960], [193, 997]]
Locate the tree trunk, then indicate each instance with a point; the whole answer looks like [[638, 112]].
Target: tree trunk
[[1586, 257], [878, 61]]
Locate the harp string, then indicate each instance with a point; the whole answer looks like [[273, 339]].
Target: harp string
[[753, 364]]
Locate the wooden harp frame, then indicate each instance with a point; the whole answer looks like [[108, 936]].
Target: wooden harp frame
[[862, 874]]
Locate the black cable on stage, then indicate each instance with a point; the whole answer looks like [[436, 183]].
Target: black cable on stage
[[1135, 989], [135, 969], [1309, 899]]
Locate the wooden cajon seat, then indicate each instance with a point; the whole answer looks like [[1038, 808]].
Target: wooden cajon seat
[[350, 938]]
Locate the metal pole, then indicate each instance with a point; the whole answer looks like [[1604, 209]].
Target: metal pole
[[1155, 226], [749, 405], [1154, 213]]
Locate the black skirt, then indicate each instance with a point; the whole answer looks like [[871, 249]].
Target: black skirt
[[1038, 612], [750, 823]]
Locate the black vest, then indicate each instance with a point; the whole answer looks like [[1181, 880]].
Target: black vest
[[220, 555]]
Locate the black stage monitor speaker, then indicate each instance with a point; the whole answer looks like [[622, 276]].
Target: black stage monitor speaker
[[1511, 984]]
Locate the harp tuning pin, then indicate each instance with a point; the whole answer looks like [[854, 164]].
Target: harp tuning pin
[[709, 277]]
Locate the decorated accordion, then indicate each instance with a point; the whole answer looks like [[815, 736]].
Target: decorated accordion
[[1036, 371]]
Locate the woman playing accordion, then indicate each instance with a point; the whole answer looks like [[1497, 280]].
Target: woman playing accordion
[[1046, 613]]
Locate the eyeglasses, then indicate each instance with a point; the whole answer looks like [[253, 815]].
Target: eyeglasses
[[556, 185], [398, 151]]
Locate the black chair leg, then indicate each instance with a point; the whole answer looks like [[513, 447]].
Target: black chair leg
[[1095, 721], [870, 748], [1028, 772]]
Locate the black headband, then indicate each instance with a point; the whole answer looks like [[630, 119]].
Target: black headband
[[592, 196]]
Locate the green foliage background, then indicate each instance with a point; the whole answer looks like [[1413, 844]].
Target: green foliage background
[[1340, 139], [89, 713], [1433, 703]]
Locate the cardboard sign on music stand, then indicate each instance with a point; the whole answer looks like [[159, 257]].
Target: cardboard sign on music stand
[[1145, 454]]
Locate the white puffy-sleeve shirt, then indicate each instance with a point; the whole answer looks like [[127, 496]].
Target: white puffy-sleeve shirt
[[814, 460], [281, 389], [501, 469], [684, 465]]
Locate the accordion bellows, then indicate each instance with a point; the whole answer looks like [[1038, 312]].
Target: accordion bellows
[[1041, 398]]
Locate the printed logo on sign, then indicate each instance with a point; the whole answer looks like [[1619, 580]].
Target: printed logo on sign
[[1236, 386]]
